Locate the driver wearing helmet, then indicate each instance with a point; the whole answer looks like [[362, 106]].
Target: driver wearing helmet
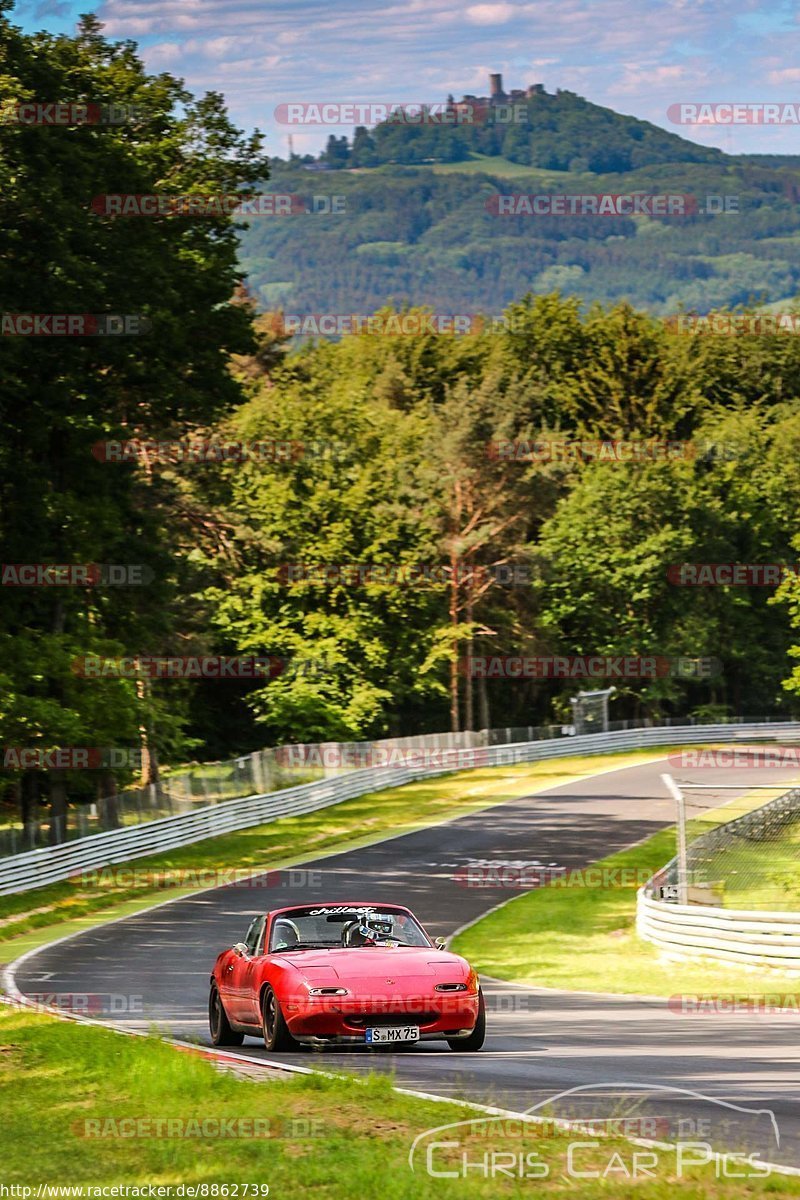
[[367, 930]]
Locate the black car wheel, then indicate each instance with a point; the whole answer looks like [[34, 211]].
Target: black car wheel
[[273, 1026], [474, 1040], [221, 1032]]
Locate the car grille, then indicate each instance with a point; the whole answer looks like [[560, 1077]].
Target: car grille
[[381, 1019]]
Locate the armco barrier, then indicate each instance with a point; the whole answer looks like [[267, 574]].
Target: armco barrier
[[36, 868], [757, 938], [696, 931]]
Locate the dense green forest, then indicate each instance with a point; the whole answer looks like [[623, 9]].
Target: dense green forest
[[428, 235], [410, 471], [393, 460]]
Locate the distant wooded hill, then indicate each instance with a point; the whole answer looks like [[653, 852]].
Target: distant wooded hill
[[419, 225], [561, 132]]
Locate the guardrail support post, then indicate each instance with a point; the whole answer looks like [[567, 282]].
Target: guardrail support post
[[257, 772]]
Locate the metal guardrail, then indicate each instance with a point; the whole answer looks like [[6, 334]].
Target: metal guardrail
[[35, 868], [199, 785], [725, 934], [754, 937], [195, 786]]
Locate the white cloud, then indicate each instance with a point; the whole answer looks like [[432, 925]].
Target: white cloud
[[639, 79], [489, 14], [164, 54], [785, 75], [217, 47]]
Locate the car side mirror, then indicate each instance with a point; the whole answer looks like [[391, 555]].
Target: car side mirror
[[440, 943], [240, 949]]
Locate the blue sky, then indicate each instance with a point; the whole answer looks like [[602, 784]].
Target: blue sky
[[635, 58]]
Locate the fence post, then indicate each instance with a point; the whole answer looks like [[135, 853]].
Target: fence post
[[258, 772], [677, 794]]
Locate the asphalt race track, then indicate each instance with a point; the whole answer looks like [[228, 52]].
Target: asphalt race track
[[540, 1043]]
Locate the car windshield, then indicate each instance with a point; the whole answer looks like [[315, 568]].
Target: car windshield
[[337, 925]]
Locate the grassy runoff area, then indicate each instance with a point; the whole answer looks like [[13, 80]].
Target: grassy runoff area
[[89, 1108], [583, 938], [764, 875], [496, 165], [27, 918]]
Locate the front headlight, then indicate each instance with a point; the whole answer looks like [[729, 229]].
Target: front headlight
[[327, 991]]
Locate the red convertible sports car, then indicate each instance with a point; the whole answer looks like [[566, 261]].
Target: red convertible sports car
[[332, 974]]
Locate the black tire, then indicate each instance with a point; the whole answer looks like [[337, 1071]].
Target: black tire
[[273, 1026], [218, 1023], [473, 1041]]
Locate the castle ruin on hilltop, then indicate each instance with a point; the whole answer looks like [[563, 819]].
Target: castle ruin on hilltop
[[498, 96]]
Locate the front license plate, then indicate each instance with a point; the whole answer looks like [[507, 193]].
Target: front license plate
[[394, 1033]]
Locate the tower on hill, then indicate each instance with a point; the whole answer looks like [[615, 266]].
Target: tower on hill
[[496, 93]]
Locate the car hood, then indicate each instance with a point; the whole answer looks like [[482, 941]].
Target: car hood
[[378, 963]]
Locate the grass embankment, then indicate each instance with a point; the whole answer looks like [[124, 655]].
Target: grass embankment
[[484, 164], [749, 873], [85, 1107], [584, 938], [764, 875], [282, 843]]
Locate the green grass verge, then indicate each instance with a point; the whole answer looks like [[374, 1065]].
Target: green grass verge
[[496, 165], [761, 875], [583, 938], [282, 843], [333, 1138], [751, 874]]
